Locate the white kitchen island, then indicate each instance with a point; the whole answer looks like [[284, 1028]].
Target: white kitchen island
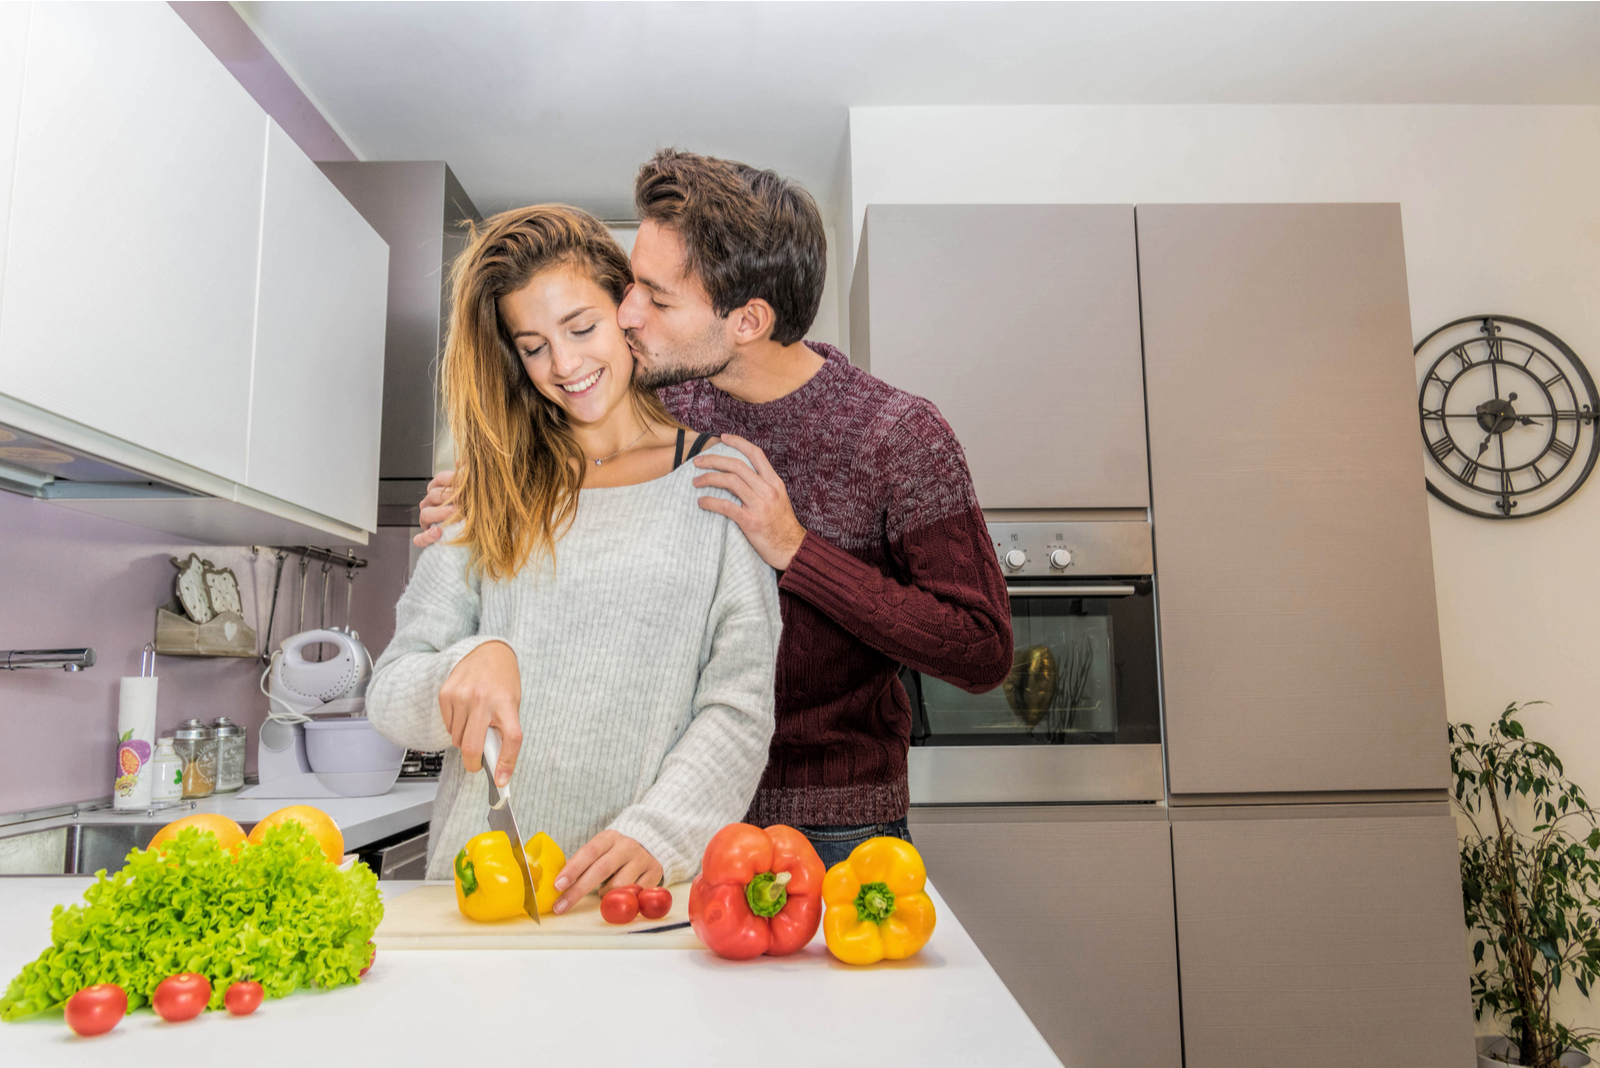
[[944, 1007]]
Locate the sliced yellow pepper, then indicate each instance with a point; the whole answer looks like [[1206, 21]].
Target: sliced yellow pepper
[[545, 861], [488, 881], [877, 909]]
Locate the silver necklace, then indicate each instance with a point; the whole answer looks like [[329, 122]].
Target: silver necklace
[[625, 448]]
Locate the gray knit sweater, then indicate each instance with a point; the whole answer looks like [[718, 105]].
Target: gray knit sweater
[[647, 656]]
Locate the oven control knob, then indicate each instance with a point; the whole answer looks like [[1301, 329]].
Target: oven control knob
[[1016, 558], [1060, 559]]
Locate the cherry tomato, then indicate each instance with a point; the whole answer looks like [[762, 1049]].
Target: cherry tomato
[[620, 905], [181, 997], [94, 1010], [655, 902], [372, 959], [243, 997]]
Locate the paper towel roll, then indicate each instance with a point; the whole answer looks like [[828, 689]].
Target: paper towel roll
[[136, 739]]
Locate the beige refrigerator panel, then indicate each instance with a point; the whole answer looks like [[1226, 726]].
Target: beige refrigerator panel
[[1021, 324], [1072, 905], [1321, 942], [1299, 629]]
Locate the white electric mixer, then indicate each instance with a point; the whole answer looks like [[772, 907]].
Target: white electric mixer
[[317, 741]]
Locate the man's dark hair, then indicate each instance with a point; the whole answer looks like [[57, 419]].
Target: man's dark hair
[[746, 233]]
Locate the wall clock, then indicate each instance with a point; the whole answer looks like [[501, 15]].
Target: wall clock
[[1508, 416]]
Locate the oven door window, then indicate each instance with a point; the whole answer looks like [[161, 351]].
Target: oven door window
[[1061, 690]]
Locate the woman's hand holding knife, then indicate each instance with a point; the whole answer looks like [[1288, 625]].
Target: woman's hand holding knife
[[484, 688]]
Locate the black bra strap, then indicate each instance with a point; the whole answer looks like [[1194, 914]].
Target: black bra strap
[[694, 450]]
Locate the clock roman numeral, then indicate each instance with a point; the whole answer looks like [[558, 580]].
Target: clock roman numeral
[[1493, 344], [1539, 474], [1442, 448], [1553, 380], [1561, 449], [1469, 471], [1433, 413], [1464, 356]]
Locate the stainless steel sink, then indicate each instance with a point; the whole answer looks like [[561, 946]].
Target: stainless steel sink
[[77, 849]]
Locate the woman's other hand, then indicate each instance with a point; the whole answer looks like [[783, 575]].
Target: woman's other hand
[[436, 509], [484, 689], [608, 856]]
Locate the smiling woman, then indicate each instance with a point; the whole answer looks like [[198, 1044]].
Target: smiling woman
[[620, 637]]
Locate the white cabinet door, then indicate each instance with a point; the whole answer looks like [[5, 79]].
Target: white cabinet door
[[130, 285], [316, 409], [13, 52]]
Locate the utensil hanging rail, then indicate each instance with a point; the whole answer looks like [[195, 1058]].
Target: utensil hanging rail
[[311, 552]]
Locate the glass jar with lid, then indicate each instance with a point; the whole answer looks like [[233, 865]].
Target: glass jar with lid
[[230, 754], [167, 767], [196, 745]]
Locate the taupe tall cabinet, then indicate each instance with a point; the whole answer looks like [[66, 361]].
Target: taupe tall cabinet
[[1300, 641], [1021, 323], [1299, 630]]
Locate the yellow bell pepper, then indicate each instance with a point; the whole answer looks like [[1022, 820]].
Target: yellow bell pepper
[[545, 861], [488, 882], [877, 909]]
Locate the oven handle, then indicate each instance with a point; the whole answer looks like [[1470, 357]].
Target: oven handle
[[1071, 591]]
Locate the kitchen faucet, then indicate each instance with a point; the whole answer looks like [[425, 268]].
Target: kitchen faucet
[[67, 659]]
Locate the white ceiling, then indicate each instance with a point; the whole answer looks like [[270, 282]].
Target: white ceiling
[[562, 101]]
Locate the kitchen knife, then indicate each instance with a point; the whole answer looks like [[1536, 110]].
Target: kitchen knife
[[501, 818]]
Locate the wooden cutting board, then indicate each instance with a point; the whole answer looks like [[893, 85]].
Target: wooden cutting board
[[427, 918]]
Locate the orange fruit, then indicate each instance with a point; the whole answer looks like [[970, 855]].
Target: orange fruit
[[229, 834], [318, 823]]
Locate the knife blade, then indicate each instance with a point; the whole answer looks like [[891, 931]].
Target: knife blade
[[501, 818]]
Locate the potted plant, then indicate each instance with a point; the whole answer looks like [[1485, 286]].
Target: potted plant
[[1532, 897]]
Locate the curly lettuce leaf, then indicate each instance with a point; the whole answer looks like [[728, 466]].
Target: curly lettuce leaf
[[279, 914]]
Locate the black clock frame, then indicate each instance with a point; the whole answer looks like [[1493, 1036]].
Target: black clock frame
[[1586, 415]]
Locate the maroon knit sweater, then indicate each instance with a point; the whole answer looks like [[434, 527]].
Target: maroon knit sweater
[[896, 568]]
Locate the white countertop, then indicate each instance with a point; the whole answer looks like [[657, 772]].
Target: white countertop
[[946, 1006], [361, 819]]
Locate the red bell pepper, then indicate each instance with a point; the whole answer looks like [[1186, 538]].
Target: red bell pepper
[[758, 891]]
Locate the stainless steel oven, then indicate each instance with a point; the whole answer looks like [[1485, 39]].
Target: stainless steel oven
[[1079, 717]]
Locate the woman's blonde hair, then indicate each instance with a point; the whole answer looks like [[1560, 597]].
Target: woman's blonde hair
[[518, 467]]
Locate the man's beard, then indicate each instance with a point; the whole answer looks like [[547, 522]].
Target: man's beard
[[703, 360]]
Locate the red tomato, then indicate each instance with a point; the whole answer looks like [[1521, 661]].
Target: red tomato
[[620, 905], [632, 888], [94, 1010], [243, 997], [181, 997], [372, 959], [655, 902]]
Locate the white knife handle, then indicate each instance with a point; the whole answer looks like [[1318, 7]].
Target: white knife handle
[[498, 795]]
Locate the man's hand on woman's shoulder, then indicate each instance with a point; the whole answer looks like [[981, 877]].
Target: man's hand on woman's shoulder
[[436, 509]]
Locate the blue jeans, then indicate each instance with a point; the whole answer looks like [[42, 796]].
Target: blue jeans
[[834, 843]]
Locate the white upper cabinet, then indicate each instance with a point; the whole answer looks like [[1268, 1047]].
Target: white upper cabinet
[[130, 283], [316, 410], [13, 53]]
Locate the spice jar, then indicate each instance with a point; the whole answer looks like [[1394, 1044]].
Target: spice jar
[[196, 745], [166, 783], [230, 754]]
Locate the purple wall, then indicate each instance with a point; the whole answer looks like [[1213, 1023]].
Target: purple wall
[[68, 579]]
